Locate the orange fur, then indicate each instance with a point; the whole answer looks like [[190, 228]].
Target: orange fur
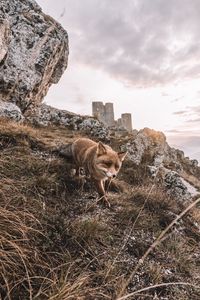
[[100, 161]]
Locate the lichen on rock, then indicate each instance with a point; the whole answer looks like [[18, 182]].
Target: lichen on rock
[[176, 186], [4, 38], [46, 115], [147, 142], [33, 53], [10, 111]]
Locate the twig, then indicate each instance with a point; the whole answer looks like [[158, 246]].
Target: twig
[[158, 285], [155, 243]]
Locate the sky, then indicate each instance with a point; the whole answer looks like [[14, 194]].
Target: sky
[[141, 55]]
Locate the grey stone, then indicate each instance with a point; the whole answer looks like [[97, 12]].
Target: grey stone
[[45, 115], [147, 142], [194, 162], [95, 128], [10, 111], [167, 165], [4, 38], [175, 186], [33, 53]]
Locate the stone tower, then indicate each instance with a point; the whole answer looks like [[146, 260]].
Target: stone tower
[[109, 114], [98, 111], [126, 121], [104, 113]]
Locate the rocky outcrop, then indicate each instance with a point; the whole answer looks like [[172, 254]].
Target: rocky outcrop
[[179, 187], [46, 115], [33, 53], [147, 144], [10, 111], [167, 165]]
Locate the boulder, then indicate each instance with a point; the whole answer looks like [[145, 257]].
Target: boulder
[[4, 38], [179, 187], [147, 144], [168, 166], [150, 146], [10, 111], [33, 53]]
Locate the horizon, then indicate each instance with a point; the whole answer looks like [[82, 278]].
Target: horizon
[[141, 56]]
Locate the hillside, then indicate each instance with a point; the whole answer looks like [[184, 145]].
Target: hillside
[[58, 243]]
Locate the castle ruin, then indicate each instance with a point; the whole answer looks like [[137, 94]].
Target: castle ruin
[[105, 114]]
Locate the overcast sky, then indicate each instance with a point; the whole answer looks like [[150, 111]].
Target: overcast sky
[[142, 55]]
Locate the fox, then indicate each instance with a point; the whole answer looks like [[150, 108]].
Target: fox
[[98, 160]]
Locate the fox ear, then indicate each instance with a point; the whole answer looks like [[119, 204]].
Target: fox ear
[[101, 149], [121, 155]]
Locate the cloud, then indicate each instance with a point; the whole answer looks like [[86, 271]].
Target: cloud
[[172, 131], [194, 112], [181, 112], [194, 109], [194, 120], [164, 94], [187, 141], [176, 99], [142, 43], [191, 112]]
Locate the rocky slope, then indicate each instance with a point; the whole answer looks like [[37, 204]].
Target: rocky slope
[[56, 242], [168, 165]]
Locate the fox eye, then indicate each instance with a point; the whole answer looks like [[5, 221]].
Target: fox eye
[[107, 163]]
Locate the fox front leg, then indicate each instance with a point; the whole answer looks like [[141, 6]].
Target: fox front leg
[[113, 185], [80, 178], [100, 189]]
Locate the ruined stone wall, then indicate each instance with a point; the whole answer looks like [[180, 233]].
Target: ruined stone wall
[[109, 114], [105, 114], [98, 111], [126, 121]]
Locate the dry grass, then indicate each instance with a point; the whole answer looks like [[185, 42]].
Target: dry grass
[[57, 243]]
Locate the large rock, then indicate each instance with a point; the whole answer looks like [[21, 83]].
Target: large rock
[[150, 146], [4, 38], [179, 187], [147, 145], [177, 173], [10, 111], [33, 53]]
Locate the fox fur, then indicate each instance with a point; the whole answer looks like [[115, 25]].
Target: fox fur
[[99, 161]]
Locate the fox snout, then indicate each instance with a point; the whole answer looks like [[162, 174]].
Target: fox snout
[[111, 174]]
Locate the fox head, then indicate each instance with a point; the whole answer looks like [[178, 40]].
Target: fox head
[[108, 162]]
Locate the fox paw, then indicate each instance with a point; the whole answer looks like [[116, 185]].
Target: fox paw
[[103, 200]]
